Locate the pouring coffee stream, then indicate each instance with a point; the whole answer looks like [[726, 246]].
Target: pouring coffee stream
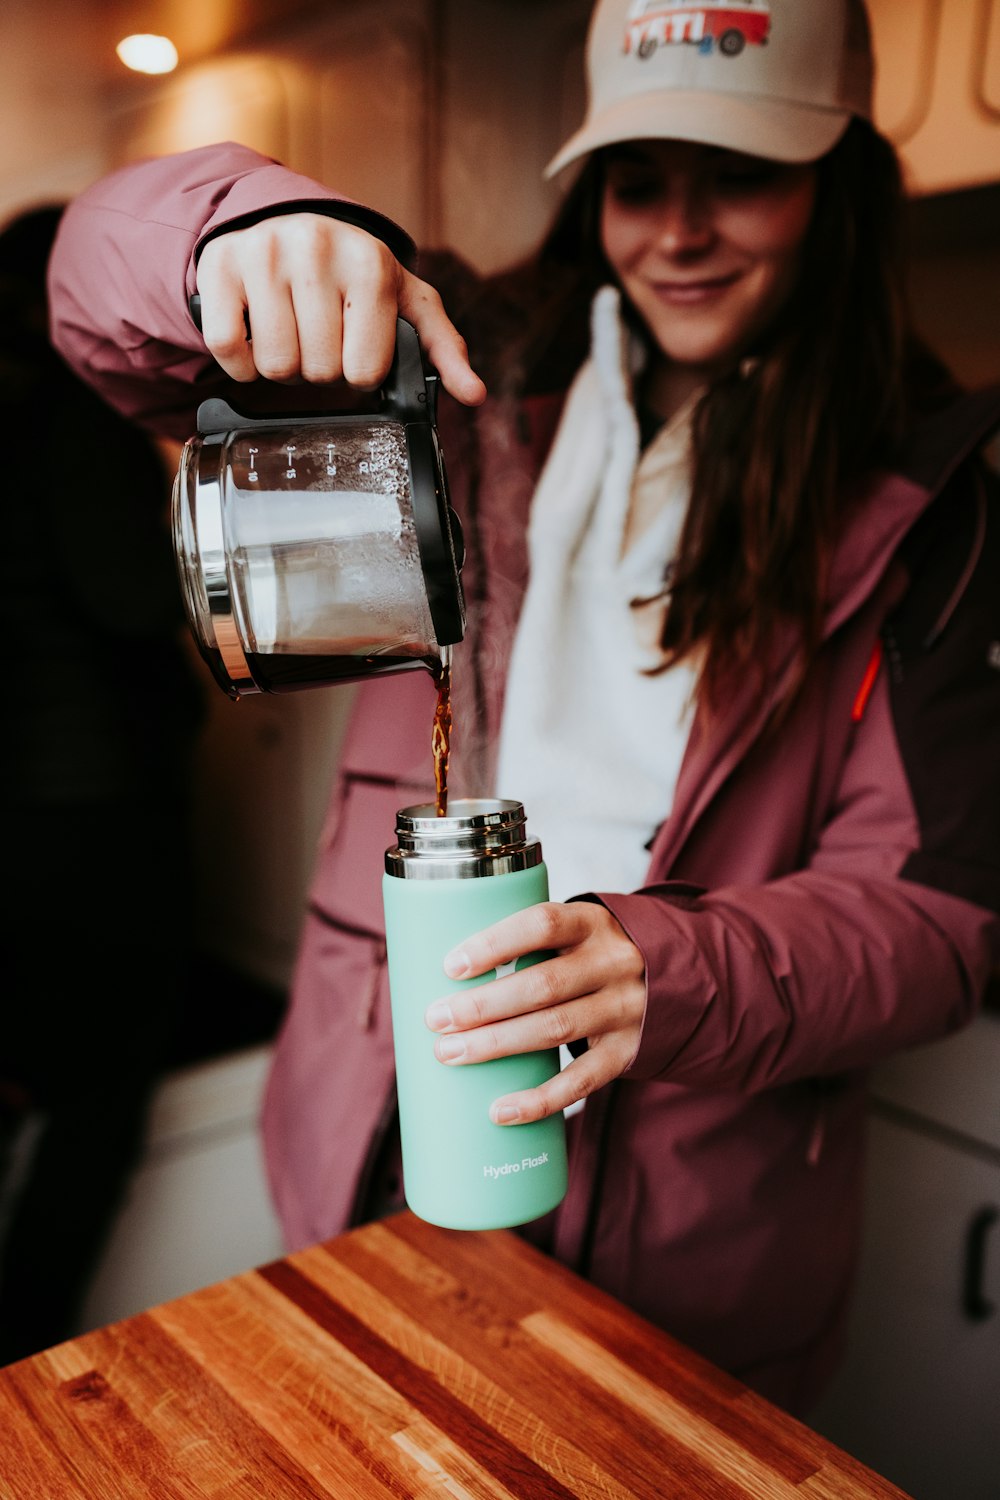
[[317, 549], [441, 734]]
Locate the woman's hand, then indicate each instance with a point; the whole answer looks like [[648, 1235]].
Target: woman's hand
[[593, 986], [322, 298]]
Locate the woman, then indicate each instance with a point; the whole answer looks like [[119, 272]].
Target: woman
[[736, 668]]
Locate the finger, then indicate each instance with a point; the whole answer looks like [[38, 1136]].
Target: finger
[[274, 332], [445, 347], [539, 1031], [540, 987], [579, 1080], [223, 326], [319, 324], [370, 276], [550, 924], [369, 336]]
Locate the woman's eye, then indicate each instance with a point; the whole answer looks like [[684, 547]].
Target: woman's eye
[[746, 175], [634, 189]]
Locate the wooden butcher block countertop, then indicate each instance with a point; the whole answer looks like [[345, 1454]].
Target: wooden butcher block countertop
[[400, 1360]]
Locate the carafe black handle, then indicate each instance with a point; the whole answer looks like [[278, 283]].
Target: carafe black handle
[[409, 393]]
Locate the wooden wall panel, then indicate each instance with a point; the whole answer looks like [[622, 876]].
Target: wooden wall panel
[[938, 88], [987, 80]]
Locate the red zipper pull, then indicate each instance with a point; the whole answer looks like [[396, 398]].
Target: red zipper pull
[[867, 683]]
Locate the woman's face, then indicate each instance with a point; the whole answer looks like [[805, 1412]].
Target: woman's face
[[706, 243]]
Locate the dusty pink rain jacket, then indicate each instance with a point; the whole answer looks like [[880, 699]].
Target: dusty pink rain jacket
[[818, 898]]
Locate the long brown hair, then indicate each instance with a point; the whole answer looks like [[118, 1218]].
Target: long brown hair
[[779, 438]]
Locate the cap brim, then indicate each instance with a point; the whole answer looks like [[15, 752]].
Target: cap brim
[[736, 122]]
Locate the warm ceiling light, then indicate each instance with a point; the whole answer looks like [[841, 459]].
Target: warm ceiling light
[[148, 54]]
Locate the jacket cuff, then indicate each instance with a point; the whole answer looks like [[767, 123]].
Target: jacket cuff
[[369, 219], [652, 918]]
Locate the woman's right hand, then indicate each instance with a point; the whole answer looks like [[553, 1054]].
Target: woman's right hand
[[322, 298]]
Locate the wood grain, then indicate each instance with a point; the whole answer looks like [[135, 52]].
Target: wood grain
[[401, 1360]]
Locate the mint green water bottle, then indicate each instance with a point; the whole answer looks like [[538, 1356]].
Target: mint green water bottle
[[447, 878]]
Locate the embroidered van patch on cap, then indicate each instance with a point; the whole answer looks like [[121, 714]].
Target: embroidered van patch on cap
[[663, 23]]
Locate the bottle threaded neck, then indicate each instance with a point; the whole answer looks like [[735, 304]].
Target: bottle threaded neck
[[477, 837]]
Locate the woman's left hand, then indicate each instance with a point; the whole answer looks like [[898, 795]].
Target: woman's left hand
[[593, 986]]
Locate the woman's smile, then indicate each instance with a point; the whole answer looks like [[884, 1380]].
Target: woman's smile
[[693, 293]]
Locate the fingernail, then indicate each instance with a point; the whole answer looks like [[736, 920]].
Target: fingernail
[[505, 1114], [450, 1049], [456, 965], [439, 1016]]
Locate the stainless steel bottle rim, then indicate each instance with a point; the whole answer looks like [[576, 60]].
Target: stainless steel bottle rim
[[478, 837]]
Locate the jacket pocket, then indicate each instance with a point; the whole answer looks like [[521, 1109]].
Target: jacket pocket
[[347, 886]]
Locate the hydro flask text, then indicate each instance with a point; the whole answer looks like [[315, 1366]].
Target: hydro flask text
[[524, 1165]]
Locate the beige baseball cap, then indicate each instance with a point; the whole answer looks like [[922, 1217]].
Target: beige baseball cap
[[773, 78]]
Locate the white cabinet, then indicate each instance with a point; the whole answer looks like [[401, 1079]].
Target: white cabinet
[[197, 1209], [918, 1398]]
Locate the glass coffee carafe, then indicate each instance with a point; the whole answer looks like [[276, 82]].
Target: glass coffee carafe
[[320, 549]]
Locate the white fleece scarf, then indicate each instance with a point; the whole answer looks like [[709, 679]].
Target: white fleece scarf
[[589, 742]]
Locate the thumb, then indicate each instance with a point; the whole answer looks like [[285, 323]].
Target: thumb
[[446, 349]]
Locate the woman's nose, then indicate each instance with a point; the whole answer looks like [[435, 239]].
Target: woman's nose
[[684, 225]]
